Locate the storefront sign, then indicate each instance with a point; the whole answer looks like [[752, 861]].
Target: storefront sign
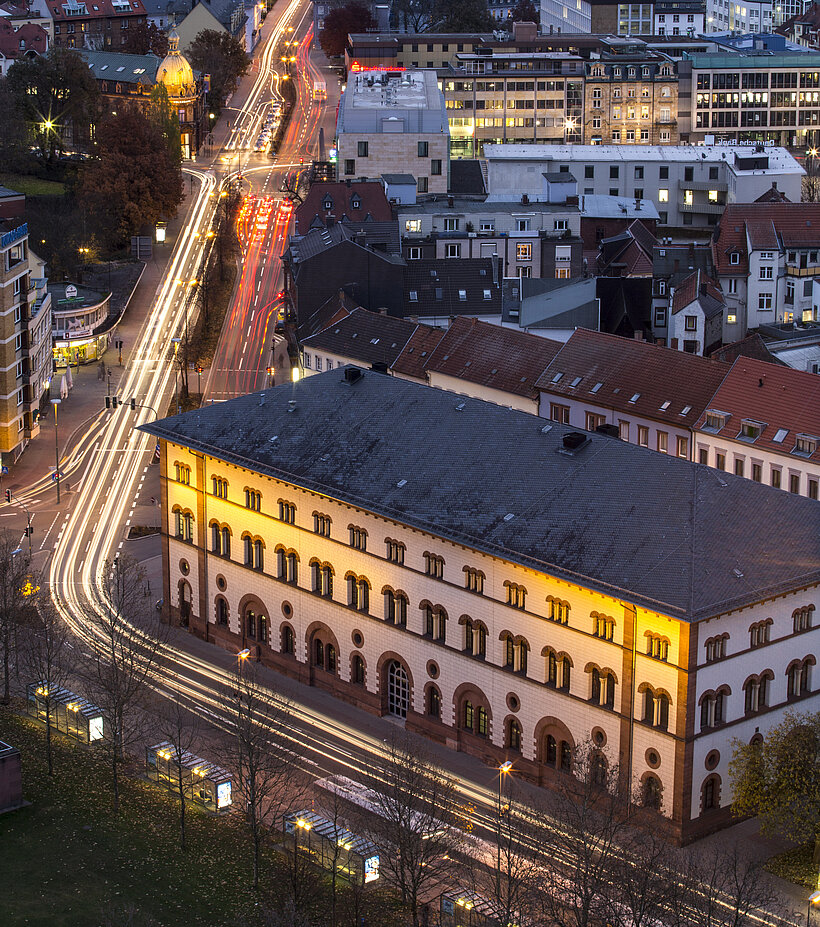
[[14, 235], [71, 291], [371, 869]]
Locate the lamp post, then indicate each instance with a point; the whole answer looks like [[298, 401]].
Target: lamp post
[[55, 403], [503, 770], [175, 342], [814, 899]]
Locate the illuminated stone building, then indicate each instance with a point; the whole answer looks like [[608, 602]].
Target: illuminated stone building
[[511, 587]]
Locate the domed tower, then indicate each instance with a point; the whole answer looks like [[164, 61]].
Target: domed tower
[[177, 75]]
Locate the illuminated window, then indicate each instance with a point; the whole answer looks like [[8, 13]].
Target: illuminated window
[[663, 196]]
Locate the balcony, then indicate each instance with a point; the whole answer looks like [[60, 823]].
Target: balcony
[[704, 185], [793, 270], [708, 209]]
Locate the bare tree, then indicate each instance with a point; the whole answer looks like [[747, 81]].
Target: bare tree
[[128, 638], [18, 590], [415, 820], [641, 882], [48, 659], [583, 824], [181, 728], [262, 763]]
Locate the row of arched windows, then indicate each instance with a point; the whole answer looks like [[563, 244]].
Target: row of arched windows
[[759, 633]]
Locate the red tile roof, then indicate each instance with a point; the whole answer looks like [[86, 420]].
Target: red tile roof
[[492, 356], [413, 360], [32, 34], [769, 226], [371, 194], [786, 402], [95, 9], [633, 376], [750, 346]]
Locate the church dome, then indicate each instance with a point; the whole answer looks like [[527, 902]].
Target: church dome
[[175, 72]]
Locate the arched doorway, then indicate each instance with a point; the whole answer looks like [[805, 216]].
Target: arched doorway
[[398, 690], [184, 603]]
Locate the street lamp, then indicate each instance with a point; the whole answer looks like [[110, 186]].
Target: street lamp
[[503, 770], [814, 899], [55, 403], [175, 342]]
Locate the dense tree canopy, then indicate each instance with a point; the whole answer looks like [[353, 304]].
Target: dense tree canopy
[[779, 779], [162, 116], [339, 23], [145, 37], [134, 180], [221, 56], [52, 92], [463, 16], [525, 11], [415, 15]]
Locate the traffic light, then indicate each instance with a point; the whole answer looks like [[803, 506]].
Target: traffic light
[[8, 495], [29, 531], [114, 402], [133, 404], [108, 402]]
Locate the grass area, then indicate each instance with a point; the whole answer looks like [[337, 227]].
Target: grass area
[[796, 866], [68, 862], [32, 186]]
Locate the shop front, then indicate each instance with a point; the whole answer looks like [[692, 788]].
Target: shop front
[[80, 323]]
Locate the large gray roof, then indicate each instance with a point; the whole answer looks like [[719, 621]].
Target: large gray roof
[[657, 531]]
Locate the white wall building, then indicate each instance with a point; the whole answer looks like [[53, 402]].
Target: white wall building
[[688, 184], [565, 16]]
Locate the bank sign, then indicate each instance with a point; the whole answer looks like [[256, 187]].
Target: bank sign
[[14, 235]]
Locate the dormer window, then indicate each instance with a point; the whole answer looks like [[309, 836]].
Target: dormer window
[[327, 203], [805, 445], [750, 430], [734, 258], [355, 201], [716, 420]]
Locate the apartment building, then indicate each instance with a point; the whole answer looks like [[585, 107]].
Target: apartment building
[[500, 619], [25, 338], [767, 257], [689, 185], [763, 423], [631, 101], [387, 119], [729, 16], [527, 239], [679, 18], [103, 24]]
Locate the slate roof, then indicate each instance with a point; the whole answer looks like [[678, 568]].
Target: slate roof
[[684, 539], [778, 397], [122, 68], [413, 360], [492, 356], [342, 195], [610, 371], [367, 336], [438, 285], [630, 250]]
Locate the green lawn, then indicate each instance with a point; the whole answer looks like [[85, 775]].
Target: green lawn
[[66, 860], [32, 186], [796, 866]]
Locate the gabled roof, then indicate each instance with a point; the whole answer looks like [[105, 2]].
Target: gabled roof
[[698, 287], [633, 376], [343, 197], [750, 346], [450, 287], [492, 356], [766, 227], [413, 360], [784, 401], [676, 537], [630, 251], [30, 37], [773, 195], [365, 336]]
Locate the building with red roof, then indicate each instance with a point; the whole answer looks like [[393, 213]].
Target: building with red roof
[[26, 41], [763, 422], [345, 201], [95, 24]]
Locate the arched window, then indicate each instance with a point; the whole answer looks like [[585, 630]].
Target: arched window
[[468, 719], [216, 539], [798, 678], [281, 563], [398, 690], [226, 541], [358, 670], [602, 688], [318, 653], [330, 658], [598, 769], [435, 622], [363, 595], [247, 543], [513, 735], [565, 674], [558, 610], [657, 647], [552, 669], [292, 576], [710, 794], [250, 625], [712, 709], [288, 640], [258, 555], [434, 702], [551, 751], [757, 692], [603, 626], [652, 793], [803, 618], [221, 611], [481, 725], [566, 756]]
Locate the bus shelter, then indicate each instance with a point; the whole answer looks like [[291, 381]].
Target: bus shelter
[[356, 859], [203, 783], [69, 713], [461, 907]]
